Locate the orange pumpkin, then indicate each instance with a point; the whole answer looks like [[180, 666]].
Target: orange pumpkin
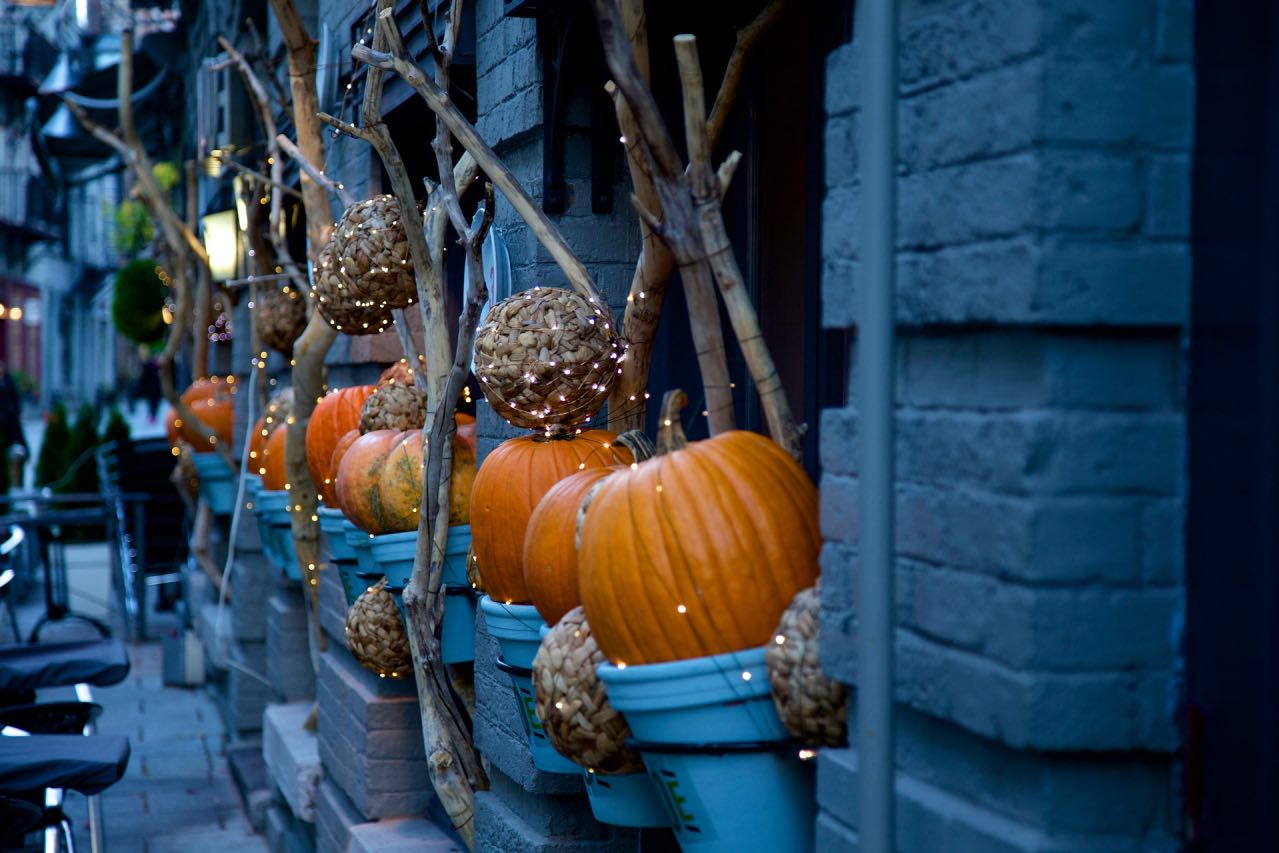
[[257, 444], [274, 474], [697, 552], [210, 400], [513, 478], [550, 545], [358, 482], [329, 486], [334, 416]]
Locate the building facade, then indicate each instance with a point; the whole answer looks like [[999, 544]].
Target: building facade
[[1081, 344]]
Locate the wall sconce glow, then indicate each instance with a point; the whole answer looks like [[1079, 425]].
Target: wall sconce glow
[[220, 241], [239, 183]]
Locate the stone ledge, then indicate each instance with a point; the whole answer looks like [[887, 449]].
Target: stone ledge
[[292, 756], [398, 834]]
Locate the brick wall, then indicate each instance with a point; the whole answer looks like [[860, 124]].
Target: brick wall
[[1043, 285]]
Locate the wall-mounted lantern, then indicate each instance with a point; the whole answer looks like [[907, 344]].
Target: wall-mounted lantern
[[221, 241]]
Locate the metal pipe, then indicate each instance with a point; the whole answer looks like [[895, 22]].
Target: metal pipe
[[876, 32]]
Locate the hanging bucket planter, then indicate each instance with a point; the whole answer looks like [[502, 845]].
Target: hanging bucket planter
[[342, 555], [217, 482], [713, 743], [264, 504], [518, 631], [365, 573], [630, 799], [274, 507], [457, 634]]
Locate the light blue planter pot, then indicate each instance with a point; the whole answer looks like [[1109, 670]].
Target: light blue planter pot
[[393, 554], [217, 482], [713, 743], [265, 505], [518, 631], [631, 799], [274, 506], [333, 526], [359, 577]]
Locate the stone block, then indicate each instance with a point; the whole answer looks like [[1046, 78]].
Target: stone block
[[1175, 31], [1090, 191], [370, 738], [288, 647], [961, 40], [332, 604], [398, 834], [971, 202], [292, 757], [242, 694], [499, 726], [1168, 198], [285, 833], [334, 817], [498, 827], [1114, 283], [1098, 102]]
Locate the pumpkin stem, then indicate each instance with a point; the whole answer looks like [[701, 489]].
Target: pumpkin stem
[[670, 431], [639, 444]]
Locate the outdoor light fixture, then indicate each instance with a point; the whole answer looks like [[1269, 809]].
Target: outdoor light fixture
[[222, 243], [240, 184]]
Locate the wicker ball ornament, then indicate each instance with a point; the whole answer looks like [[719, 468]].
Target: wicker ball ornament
[[571, 702], [546, 358], [812, 706], [371, 245], [394, 406], [185, 477], [375, 633], [279, 316], [341, 304]]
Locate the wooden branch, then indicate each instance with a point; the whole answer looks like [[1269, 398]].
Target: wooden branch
[[706, 197], [501, 176], [747, 37], [654, 269], [310, 349], [254, 173], [678, 228], [335, 188], [204, 283]]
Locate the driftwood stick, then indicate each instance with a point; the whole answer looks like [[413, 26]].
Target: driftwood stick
[[706, 198], [310, 349], [678, 228], [256, 175], [501, 176], [335, 188], [747, 38], [204, 283], [654, 269]]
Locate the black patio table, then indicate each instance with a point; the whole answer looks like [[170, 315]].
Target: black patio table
[[45, 520]]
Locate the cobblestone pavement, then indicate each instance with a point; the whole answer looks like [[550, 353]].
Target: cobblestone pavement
[[177, 795]]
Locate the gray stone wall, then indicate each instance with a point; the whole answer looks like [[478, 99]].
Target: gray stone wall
[[1043, 287]]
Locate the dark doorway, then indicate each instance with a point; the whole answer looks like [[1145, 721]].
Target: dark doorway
[[1232, 630]]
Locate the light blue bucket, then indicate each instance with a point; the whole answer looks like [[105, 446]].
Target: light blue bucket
[[713, 743], [217, 482], [518, 631], [393, 554], [274, 509], [364, 574], [631, 799], [332, 525], [265, 505]]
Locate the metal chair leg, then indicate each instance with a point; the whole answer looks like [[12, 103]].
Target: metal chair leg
[[95, 824]]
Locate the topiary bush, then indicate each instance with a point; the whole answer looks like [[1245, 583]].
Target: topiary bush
[[52, 460], [137, 306], [83, 439], [117, 428]]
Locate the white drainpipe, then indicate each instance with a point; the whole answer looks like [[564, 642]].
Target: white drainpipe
[[876, 32]]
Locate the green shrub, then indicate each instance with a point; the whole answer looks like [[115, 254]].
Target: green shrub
[[117, 428], [83, 439], [138, 303], [52, 461]]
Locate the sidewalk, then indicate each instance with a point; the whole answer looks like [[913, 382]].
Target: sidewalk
[[177, 795]]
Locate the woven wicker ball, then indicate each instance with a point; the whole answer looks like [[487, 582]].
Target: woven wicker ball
[[341, 304], [812, 706], [279, 407], [397, 407], [571, 702], [375, 633], [279, 317], [401, 373], [370, 243], [546, 357]]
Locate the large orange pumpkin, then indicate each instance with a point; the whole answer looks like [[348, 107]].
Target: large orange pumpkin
[[210, 400], [697, 552], [359, 474], [550, 545], [335, 415], [274, 474], [257, 444], [381, 492], [513, 478]]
